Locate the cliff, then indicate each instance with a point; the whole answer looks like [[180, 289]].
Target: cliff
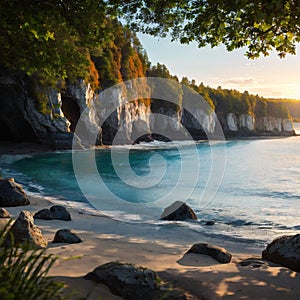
[[249, 125], [22, 120], [31, 111]]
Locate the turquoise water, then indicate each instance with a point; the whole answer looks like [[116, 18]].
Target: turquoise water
[[257, 199]]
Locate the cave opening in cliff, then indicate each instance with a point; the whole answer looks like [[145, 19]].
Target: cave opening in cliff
[[71, 110], [16, 132]]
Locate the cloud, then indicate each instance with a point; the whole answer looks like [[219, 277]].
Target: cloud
[[235, 81], [240, 81]]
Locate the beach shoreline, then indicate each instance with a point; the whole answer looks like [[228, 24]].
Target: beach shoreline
[[160, 248], [106, 240]]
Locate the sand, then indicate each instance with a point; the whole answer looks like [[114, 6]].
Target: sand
[[106, 240]]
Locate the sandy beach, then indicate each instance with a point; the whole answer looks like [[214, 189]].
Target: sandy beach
[[106, 240]]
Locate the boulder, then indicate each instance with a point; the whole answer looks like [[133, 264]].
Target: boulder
[[210, 222], [131, 282], [178, 211], [66, 236], [4, 213], [253, 263], [44, 214], [60, 213], [12, 193], [23, 230], [218, 253], [284, 251]]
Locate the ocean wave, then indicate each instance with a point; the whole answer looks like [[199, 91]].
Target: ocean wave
[[12, 158]]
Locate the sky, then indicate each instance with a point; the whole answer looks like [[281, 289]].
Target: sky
[[270, 77]]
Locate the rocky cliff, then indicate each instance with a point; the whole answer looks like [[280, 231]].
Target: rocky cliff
[[21, 118], [250, 125]]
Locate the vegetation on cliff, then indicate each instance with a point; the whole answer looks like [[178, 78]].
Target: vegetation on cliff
[[54, 41]]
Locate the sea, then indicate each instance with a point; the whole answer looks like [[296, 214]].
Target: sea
[[250, 188]]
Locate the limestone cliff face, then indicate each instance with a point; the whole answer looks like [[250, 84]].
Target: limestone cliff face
[[249, 125], [21, 119]]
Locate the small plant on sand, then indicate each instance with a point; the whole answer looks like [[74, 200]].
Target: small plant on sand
[[23, 272]]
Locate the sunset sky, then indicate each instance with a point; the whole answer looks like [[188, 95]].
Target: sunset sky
[[266, 76]]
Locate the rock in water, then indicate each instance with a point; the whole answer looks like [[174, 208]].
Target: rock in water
[[44, 214], [66, 236], [284, 251], [218, 253], [131, 282], [178, 211], [4, 213], [210, 223], [60, 213], [23, 230], [12, 193]]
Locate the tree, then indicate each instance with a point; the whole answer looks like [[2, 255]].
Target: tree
[[55, 39], [52, 39], [259, 25]]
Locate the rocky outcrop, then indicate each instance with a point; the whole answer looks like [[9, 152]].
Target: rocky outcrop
[[250, 125], [178, 211], [56, 212], [131, 282], [66, 236], [4, 214], [284, 251], [32, 113], [218, 253], [12, 193], [24, 231]]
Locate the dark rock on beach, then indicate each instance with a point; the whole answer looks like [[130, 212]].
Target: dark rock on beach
[[12, 193], [210, 223], [131, 282], [56, 212], [178, 211], [253, 263], [23, 230], [66, 236], [4, 213], [284, 251], [44, 214], [218, 253], [60, 213]]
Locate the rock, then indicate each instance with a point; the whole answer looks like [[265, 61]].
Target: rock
[[210, 223], [131, 282], [12, 193], [232, 122], [218, 253], [178, 211], [4, 213], [60, 213], [284, 251], [66, 236], [44, 214], [253, 263], [24, 230]]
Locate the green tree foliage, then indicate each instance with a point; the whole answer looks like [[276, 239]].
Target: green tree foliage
[[168, 90], [293, 107], [122, 57], [52, 39], [261, 26]]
